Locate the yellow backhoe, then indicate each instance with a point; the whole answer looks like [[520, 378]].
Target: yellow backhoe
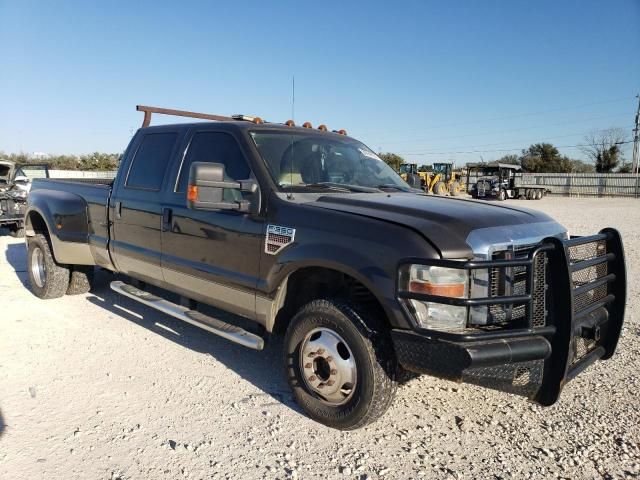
[[443, 180]]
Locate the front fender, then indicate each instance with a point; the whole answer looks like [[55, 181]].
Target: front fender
[[377, 272]]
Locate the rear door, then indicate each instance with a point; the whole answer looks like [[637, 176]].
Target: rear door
[[136, 209], [213, 256]]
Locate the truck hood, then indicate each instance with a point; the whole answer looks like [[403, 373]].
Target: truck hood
[[457, 228]]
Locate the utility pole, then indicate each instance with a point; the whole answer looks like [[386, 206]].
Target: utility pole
[[636, 147], [636, 142]]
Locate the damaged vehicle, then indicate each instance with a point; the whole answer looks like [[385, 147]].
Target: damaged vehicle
[[15, 183]]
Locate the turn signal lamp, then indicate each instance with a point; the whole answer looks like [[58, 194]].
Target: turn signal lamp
[[192, 193], [439, 282]]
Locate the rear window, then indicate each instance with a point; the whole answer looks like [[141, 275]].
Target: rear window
[[150, 162]]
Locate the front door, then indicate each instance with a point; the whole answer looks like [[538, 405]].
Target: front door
[[212, 256]]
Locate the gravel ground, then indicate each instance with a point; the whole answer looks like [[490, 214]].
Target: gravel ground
[[97, 386]]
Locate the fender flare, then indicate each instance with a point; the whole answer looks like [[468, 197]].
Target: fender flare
[[381, 282], [65, 216]]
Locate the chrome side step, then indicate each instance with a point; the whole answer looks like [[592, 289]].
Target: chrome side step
[[210, 324]]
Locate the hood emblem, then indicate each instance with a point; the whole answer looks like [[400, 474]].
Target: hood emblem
[[278, 237]]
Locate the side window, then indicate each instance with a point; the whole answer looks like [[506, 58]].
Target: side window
[[214, 147], [150, 161]]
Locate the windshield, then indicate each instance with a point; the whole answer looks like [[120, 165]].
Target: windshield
[[32, 171], [299, 160]]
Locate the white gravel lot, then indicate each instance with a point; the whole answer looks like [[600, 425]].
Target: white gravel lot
[[99, 387]]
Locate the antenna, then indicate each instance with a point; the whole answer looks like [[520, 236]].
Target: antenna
[[293, 98], [293, 117]]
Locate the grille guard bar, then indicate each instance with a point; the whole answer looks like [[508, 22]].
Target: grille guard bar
[[571, 319]]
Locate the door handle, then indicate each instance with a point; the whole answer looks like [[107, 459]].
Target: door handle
[[118, 210], [167, 217]]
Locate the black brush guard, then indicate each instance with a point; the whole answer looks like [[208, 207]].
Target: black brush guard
[[586, 288]]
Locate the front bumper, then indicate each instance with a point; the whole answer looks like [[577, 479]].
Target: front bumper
[[586, 284]]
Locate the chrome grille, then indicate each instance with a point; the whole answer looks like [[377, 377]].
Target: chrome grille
[[482, 187], [513, 281]]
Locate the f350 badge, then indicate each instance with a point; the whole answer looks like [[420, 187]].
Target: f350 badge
[[278, 237]]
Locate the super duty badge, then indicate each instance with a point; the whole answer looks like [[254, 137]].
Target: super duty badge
[[278, 237]]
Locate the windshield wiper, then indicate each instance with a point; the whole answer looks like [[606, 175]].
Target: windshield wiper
[[393, 186], [342, 187], [324, 186]]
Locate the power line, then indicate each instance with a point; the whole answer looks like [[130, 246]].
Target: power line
[[501, 150], [520, 129], [505, 117], [527, 141]]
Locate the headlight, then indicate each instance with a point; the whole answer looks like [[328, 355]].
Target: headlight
[[437, 281]]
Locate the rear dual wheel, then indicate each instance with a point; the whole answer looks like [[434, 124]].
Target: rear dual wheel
[[341, 370], [50, 279]]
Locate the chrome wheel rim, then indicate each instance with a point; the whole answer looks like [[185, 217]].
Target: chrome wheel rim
[[38, 268], [328, 366]]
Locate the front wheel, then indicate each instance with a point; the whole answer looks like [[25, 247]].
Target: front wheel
[[48, 278], [341, 371], [440, 189], [502, 195]]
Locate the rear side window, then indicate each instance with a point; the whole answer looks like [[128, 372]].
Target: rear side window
[[150, 162], [214, 147]]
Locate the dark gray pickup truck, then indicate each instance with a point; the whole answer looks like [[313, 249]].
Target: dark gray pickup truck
[[308, 232]]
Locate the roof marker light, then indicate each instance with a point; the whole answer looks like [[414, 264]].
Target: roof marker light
[[307, 125], [322, 127], [290, 123]]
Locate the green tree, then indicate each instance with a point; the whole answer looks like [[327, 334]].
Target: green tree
[[626, 167], [544, 157], [392, 159], [510, 158], [578, 166]]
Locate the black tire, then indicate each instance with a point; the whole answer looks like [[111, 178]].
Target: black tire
[[454, 189], [440, 189], [538, 194], [52, 278], [81, 279], [502, 195], [530, 195], [372, 353]]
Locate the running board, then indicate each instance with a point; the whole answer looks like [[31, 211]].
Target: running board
[[223, 329]]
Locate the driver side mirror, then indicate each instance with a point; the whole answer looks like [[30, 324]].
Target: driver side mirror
[[206, 188]]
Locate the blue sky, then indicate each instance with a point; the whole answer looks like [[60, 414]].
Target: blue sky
[[426, 79]]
